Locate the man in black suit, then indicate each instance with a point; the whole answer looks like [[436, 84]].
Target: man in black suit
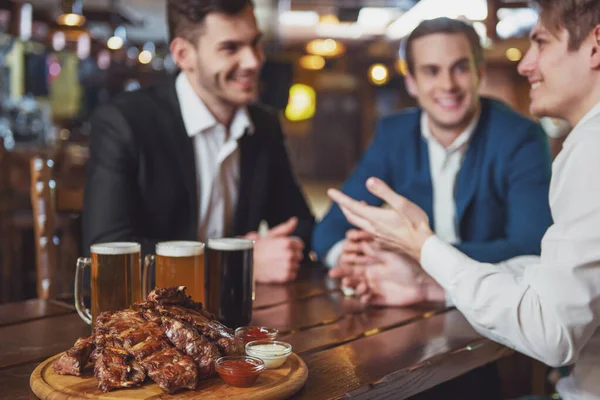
[[192, 158]]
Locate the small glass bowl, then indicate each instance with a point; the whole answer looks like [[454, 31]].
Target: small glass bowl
[[239, 371], [272, 352], [252, 333]]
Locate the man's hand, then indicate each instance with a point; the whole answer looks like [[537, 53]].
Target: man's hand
[[404, 227], [395, 281], [277, 256], [352, 253]]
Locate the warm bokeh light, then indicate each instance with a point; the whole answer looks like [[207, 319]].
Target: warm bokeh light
[[329, 19], [401, 66], [313, 63], [71, 20], [378, 74], [302, 103], [325, 47], [514, 54], [114, 43], [145, 57]]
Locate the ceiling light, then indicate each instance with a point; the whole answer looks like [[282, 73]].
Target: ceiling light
[[72, 13], [374, 17], [114, 43], [378, 74], [474, 10], [329, 19], [302, 103], [145, 57], [325, 47], [311, 62], [514, 54], [299, 18]]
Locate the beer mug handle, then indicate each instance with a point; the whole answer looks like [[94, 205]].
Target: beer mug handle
[[84, 313], [149, 262]]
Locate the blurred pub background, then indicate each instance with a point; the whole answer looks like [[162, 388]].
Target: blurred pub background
[[327, 60]]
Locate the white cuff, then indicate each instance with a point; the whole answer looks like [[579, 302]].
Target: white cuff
[[442, 261]]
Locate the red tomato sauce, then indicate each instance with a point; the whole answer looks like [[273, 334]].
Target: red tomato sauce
[[255, 333], [239, 373]]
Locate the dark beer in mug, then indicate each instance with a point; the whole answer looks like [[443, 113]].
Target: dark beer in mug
[[229, 281]]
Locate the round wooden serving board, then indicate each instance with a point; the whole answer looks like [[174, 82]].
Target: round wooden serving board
[[273, 384]]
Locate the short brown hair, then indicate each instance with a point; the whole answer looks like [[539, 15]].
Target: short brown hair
[[185, 17], [443, 25], [577, 17]]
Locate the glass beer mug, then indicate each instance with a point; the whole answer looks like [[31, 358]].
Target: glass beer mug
[[177, 263], [115, 279], [230, 280]]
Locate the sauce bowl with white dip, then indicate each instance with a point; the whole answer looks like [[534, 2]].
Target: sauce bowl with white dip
[[272, 352]]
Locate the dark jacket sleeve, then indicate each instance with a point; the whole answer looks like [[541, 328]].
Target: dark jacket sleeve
[[527, 180], [287, 199], [111, 190], [332, 228]]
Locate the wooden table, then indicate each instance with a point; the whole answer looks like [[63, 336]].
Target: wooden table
[[351, 350]]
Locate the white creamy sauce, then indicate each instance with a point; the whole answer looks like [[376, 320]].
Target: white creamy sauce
[[269, 350], [272, 354]]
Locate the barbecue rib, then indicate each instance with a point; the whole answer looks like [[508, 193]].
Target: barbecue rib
[[172, 340], [188, 340], [145, 342], [116, 368], [75, 359], [228, 344], [176, 296]]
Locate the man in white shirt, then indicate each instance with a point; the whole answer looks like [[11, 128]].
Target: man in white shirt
[[480, 170], [549, 310], [193, 157]]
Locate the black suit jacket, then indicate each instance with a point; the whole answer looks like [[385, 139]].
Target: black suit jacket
[[141, 176]]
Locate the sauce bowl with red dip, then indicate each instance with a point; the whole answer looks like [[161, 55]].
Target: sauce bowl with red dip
[[239, 371], [251, 333]]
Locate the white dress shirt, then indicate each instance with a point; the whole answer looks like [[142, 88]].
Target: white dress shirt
[[444, 166], [217, 160], [549, 310]]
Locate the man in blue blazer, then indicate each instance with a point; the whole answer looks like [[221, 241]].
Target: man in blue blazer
[[479, 169]]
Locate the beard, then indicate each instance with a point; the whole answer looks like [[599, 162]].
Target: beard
[[214, 84]]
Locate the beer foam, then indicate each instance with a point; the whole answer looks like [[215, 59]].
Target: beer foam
[[230, 244], [180, 249], [115, 248]]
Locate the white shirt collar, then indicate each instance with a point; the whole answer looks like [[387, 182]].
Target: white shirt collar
[[459, 142], [198, 119], [579, 129]]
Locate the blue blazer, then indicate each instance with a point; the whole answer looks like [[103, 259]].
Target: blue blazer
[[501, 189]]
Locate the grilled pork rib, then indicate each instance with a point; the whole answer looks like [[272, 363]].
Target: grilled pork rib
[[116, 368], [172, 340], [145, 342], [228, 344], [190, 342], [75, 359], [175, 296]]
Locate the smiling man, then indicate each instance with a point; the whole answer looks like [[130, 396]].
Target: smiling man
[[550, 309], [193, 158], [480, 170]]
